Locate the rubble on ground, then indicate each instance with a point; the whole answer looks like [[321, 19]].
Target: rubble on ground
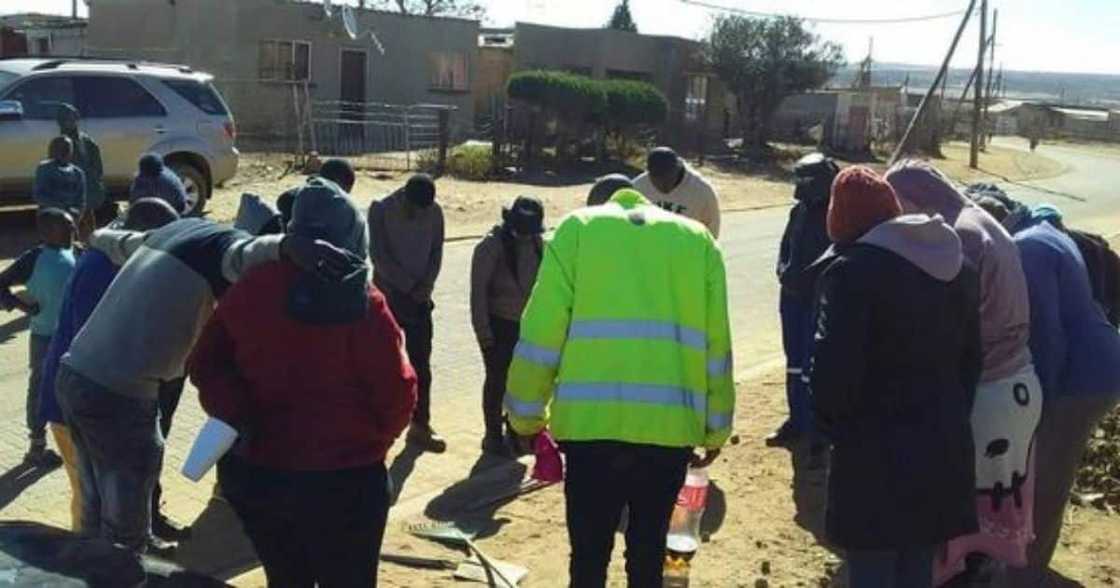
[[1098, 482]]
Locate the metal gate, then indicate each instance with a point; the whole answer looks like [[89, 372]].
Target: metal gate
[[382, 136]]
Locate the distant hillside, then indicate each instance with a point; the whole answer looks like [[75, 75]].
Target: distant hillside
[[1087, 89]]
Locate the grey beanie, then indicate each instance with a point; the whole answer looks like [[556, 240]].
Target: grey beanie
[[254, 214], [322, 210]]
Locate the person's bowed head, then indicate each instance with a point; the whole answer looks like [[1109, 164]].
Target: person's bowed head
[[606, 187]]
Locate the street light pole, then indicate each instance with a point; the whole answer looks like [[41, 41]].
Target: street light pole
[[978, 102]]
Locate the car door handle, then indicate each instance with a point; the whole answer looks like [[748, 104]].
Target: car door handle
[[160, 130]]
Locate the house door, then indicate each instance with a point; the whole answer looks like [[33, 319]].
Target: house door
[[352, 93]]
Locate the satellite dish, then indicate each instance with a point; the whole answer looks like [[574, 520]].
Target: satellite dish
[[350, 22], [328, 8]]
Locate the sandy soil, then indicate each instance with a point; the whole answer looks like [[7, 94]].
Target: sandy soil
[[764, 516]]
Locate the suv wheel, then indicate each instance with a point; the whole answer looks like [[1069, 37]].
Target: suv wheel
[[198, 189]]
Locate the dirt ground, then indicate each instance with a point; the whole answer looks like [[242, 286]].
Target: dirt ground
[[763, 522], [471, 208]]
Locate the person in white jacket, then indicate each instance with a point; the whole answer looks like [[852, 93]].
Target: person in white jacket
[[674, 185]]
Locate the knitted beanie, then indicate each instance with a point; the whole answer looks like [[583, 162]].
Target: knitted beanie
[[861, 200]]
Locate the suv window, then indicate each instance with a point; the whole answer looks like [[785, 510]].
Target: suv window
[[115, 97], [41, 96], [200, 94]]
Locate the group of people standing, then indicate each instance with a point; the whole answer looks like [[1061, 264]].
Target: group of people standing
[[956, 366], [954, 361]]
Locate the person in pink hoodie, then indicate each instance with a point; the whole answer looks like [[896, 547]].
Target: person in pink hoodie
[[1008, 403]]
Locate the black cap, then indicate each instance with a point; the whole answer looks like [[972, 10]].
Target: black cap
[[526, 216]]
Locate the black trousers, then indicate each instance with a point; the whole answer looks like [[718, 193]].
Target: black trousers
[[170, 392], [497, 360], [311, 528], [601, 478], [418, 345]]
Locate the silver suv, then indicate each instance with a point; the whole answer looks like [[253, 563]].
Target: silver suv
[[129, 108]]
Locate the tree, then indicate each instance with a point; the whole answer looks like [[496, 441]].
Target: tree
[[763, 60], [460, 8], [622, 20]]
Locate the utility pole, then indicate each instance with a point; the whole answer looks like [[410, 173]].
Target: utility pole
[[904, 143], [991, 78], [978, 102], [74, 9]]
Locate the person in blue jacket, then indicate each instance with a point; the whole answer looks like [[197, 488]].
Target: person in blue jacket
[[1077, 356]]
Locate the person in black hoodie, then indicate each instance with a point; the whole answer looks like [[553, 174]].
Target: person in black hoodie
[[803, 242], [895, 368]]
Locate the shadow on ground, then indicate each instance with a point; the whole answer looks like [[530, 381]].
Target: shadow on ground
[[32, 554], [13, 327], [472, 503], [402, 467], [217, 547], [14, 481]]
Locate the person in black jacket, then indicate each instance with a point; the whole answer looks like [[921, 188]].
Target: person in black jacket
[[803, 242], [895, 367]]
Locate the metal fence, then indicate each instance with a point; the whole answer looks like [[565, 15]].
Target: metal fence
[[384, 136]]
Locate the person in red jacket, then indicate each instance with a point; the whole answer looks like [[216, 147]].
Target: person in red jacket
[[314, 377]]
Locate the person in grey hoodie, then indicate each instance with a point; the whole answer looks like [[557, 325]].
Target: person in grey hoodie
[[1008, 404], [136, 340], [503, 272]]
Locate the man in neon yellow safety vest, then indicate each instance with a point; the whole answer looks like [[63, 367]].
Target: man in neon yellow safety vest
[[625, 353]]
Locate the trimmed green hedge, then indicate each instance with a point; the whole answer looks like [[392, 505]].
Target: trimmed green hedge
[[633, 103], [566, 94]]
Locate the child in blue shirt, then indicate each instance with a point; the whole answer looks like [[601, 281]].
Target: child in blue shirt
[[58, 182], [43, 271]]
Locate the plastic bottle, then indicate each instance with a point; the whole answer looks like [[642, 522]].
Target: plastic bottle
[[684, 526]]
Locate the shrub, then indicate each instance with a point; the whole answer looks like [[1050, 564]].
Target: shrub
[[633, 103], [572, 97], [472, 161]]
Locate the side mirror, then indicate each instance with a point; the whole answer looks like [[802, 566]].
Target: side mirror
[[11, 110]]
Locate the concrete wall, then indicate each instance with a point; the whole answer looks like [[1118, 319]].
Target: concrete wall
[[223, 37]]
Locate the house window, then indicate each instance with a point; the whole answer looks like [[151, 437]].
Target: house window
[[696, 100], [286, 61], [449, 71]]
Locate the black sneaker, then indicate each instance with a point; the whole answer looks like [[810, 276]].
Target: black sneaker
[[496, 446], [161, 548], [41, 457], [785, 436], [425, 438], [165, 528]]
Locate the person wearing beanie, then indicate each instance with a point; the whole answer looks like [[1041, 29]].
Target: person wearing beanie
[[335, 169], [93, 273], [805, 239], [313, 376], [1009, 398], [503, 272], [895, 366], [156, 180], [406, 246], [674, 185], [605, 187]]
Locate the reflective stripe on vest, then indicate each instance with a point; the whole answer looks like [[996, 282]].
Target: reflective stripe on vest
[[537, 354], [720, 367], [634, 393], [639, 329], [523, 409]]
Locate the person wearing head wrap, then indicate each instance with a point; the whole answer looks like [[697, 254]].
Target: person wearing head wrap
[[895, 364], [1009, 398], [156, 180], [406, 246], [805, 239], [605, 187], [1077, 353], [503, 272], [674, 185], [313, 376]]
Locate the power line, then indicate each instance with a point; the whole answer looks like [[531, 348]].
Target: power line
[[900, 20]]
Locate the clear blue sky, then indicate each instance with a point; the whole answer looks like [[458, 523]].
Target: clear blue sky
[[1043, 35]]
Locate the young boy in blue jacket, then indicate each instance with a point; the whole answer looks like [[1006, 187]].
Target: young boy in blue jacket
[[43, 271]]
